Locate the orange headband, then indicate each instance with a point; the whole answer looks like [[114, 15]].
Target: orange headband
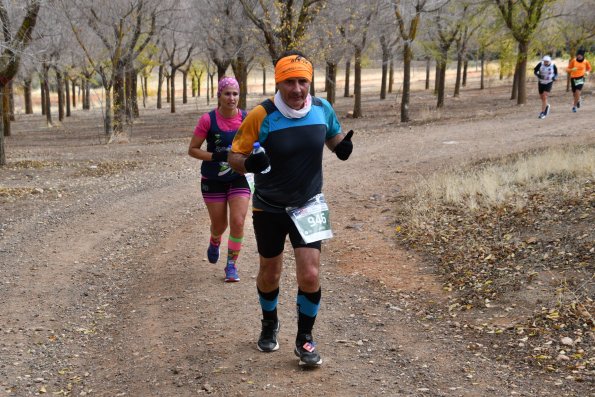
[[293, 66]]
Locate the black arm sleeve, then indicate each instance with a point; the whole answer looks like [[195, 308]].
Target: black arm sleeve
[[536, 69]]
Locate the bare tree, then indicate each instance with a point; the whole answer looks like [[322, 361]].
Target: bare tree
[[386, 31], [445, 27], [522, 18], [474, 17], [329, 45], [356, 34], [13, 45], [124, 29], [282, 27], [408, 18], [176, 58]]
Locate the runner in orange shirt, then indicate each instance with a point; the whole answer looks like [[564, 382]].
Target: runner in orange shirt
[[579, 69]]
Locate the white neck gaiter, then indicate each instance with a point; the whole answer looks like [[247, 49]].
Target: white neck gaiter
[[291, 113]]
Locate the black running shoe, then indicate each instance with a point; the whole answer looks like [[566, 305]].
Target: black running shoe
[[267, 342], [547, 110], [578, 104], [305, 349]]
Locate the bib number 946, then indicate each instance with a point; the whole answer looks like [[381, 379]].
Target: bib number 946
[[312, 219]]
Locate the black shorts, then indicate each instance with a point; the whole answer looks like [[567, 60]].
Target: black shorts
[[214, 191], [544, 87], [272, 228], [577, 83]]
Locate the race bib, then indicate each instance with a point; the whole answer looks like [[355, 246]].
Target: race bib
[[312, 219]]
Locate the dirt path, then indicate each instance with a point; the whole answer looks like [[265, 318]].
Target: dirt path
[[105, 289]]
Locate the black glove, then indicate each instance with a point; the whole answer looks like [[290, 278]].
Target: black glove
[[257, 162], [220, 156], [345, 147]]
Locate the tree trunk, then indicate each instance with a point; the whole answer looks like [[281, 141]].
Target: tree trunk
[[144, 87], [357, 84], [119, 105], [198, 78], [482, 80], [128, 96], [6, 109], [240, 70], [46, 89], [347, 71], [428, 61], [60, 86], [212, 76], [515, 83], [184, 86], [193, 85], [221, 68], [522, 79], [172, 95], [167, 89], [108, 113], [391, 75], [312, 87], [465, 63], [384, 78], [87, 95], [67, 98], [407, 56], [27, 94], [73, 81], [208, 86], [442, 83], [437, 77], [159, 85], [459, 73], [11, 101], [42, 93], [134, 92], [331, 79]]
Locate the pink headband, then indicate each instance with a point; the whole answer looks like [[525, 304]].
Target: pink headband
[[226, 82]]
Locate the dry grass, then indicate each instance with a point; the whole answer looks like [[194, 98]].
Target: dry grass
[[500, 229], [497, 183]]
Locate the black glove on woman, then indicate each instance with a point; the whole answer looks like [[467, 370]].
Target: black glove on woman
[[220, 156], [345, 147], [257, 162]]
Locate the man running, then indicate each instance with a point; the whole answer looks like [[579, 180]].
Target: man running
[[547, 73], [579, 69], [293, 128]]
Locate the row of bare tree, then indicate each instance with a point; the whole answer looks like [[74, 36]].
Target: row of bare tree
[[76, 44]]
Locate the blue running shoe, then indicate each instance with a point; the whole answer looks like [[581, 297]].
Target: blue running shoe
[[574, 109], [213, 253], [231, 274]]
